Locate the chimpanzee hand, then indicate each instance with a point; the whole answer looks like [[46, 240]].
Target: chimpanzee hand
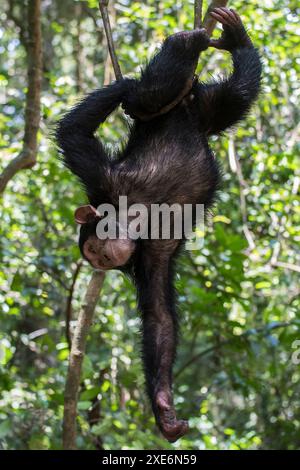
[[234, 34]]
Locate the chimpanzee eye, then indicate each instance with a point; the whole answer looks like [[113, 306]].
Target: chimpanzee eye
[[92, 249]]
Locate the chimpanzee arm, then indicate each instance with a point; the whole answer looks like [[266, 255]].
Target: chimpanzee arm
[[225, 103], [156, 295], [82, 152]]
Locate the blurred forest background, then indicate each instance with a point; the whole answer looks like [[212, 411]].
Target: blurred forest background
[[237, 373]]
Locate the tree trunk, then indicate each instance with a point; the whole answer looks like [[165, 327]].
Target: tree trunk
[[33, 44], [76, 357]]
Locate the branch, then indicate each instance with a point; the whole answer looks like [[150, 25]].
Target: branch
[[76, 357], [209, 23], [27, 157], [103, 6], [68, 314], [198, 14]]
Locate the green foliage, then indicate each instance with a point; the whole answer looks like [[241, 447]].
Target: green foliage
[[239, 302]]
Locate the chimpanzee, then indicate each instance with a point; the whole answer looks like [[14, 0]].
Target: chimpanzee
[[167, 159]]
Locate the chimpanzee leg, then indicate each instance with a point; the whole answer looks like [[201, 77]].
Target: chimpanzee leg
[[157, 304], [168, 73], [223, 103]]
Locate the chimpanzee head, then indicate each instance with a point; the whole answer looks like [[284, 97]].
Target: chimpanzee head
[[101, 254]]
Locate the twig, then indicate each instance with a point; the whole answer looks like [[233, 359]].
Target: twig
[[18, 22], [198, 14], [56, 276], [48, 220], [76, 357], [289, 266], [108, 70], [208, 22], [253, 331], [236, 168], [277, 247], [78, 56], [103, 6], [40, 267], [27, 157], [94, 18]]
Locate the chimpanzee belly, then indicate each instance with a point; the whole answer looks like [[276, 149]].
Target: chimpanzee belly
[[181, 169]]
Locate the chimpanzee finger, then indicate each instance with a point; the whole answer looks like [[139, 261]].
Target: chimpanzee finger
[[218, 17], [231, 14], [230, 17], [224, 13], [237, 17]]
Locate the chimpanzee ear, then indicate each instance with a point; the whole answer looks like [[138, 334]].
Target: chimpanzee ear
[[85, 214]]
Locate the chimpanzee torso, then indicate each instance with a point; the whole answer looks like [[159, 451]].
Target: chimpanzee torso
[[175, 158]]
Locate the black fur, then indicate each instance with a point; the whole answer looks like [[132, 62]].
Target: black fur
[[166, 159]]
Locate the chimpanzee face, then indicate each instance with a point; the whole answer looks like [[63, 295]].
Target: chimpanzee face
[[107, 254], [101, 254]]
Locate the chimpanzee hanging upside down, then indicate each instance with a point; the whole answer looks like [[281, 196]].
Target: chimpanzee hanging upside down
[[166, 160]]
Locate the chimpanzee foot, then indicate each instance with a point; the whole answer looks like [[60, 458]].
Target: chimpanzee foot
[[197, 39], [171, 428], [234, 34]]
